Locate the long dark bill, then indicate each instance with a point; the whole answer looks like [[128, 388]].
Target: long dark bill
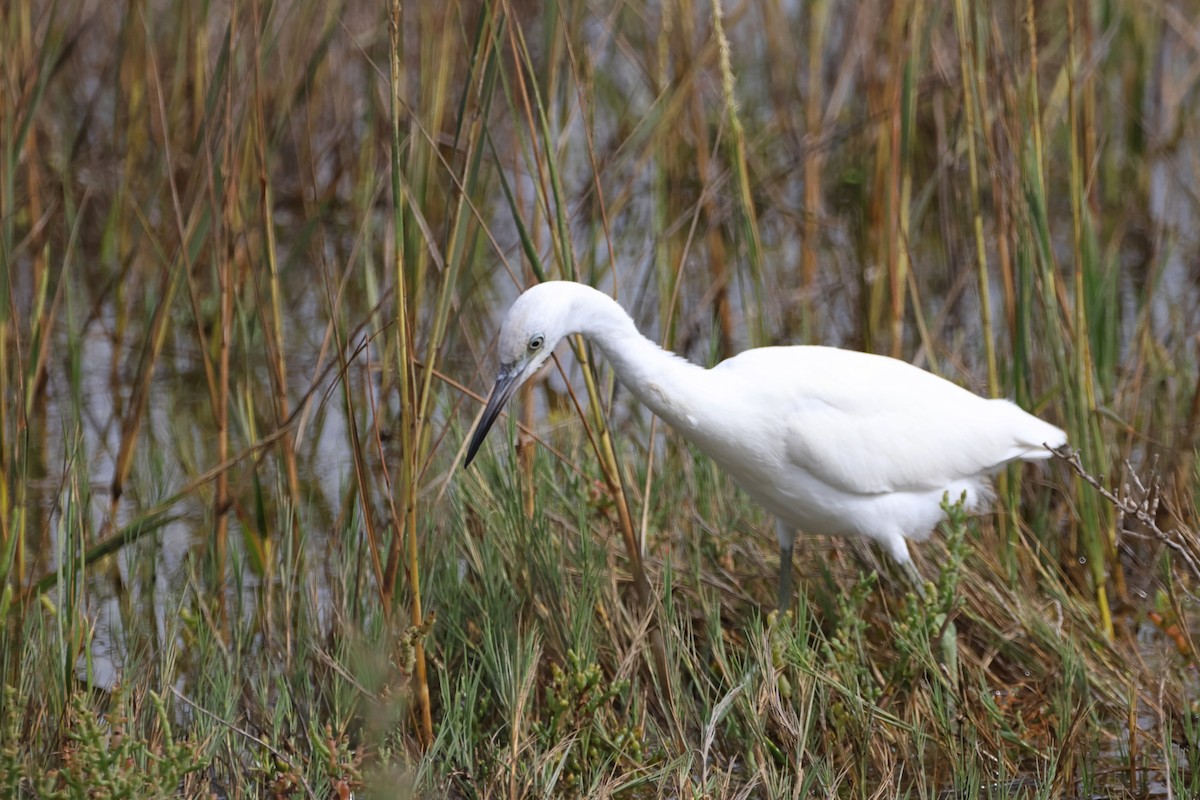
[[506, 384]]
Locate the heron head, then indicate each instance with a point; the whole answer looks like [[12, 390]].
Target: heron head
[[534, 326]]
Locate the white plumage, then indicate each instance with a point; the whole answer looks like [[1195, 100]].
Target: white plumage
[[829, 441]]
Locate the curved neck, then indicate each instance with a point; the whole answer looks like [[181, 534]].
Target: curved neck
[[668, 385]]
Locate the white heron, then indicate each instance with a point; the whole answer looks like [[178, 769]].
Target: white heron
[[829, 441]]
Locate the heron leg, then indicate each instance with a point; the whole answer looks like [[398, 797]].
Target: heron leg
[[898, 549], [787, 539], [914, 577]]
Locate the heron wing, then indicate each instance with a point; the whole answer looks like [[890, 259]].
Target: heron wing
[[867, 424], [880, 452]]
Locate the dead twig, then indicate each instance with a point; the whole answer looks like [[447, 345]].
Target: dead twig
[[1141, 505]]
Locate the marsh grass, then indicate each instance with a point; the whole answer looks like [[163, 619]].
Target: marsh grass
[[252, 259]]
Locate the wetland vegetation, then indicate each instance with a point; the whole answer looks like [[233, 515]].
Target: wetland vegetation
[[253, 256]]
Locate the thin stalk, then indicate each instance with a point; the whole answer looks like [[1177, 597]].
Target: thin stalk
[[1101, 551], [221, 500], [1004, 181], [747, 216], [273, 326], [224, 237], [1039, 160], [12, 442], [552, 194], [813, 158], [970, 101], [900, 176], [973, 110], [879, 232], [718, 267], [404, 358], [361, 479]]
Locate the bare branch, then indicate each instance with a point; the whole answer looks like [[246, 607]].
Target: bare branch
[[1141, 505]]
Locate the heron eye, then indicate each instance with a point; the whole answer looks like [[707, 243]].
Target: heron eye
[[536, 342]]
